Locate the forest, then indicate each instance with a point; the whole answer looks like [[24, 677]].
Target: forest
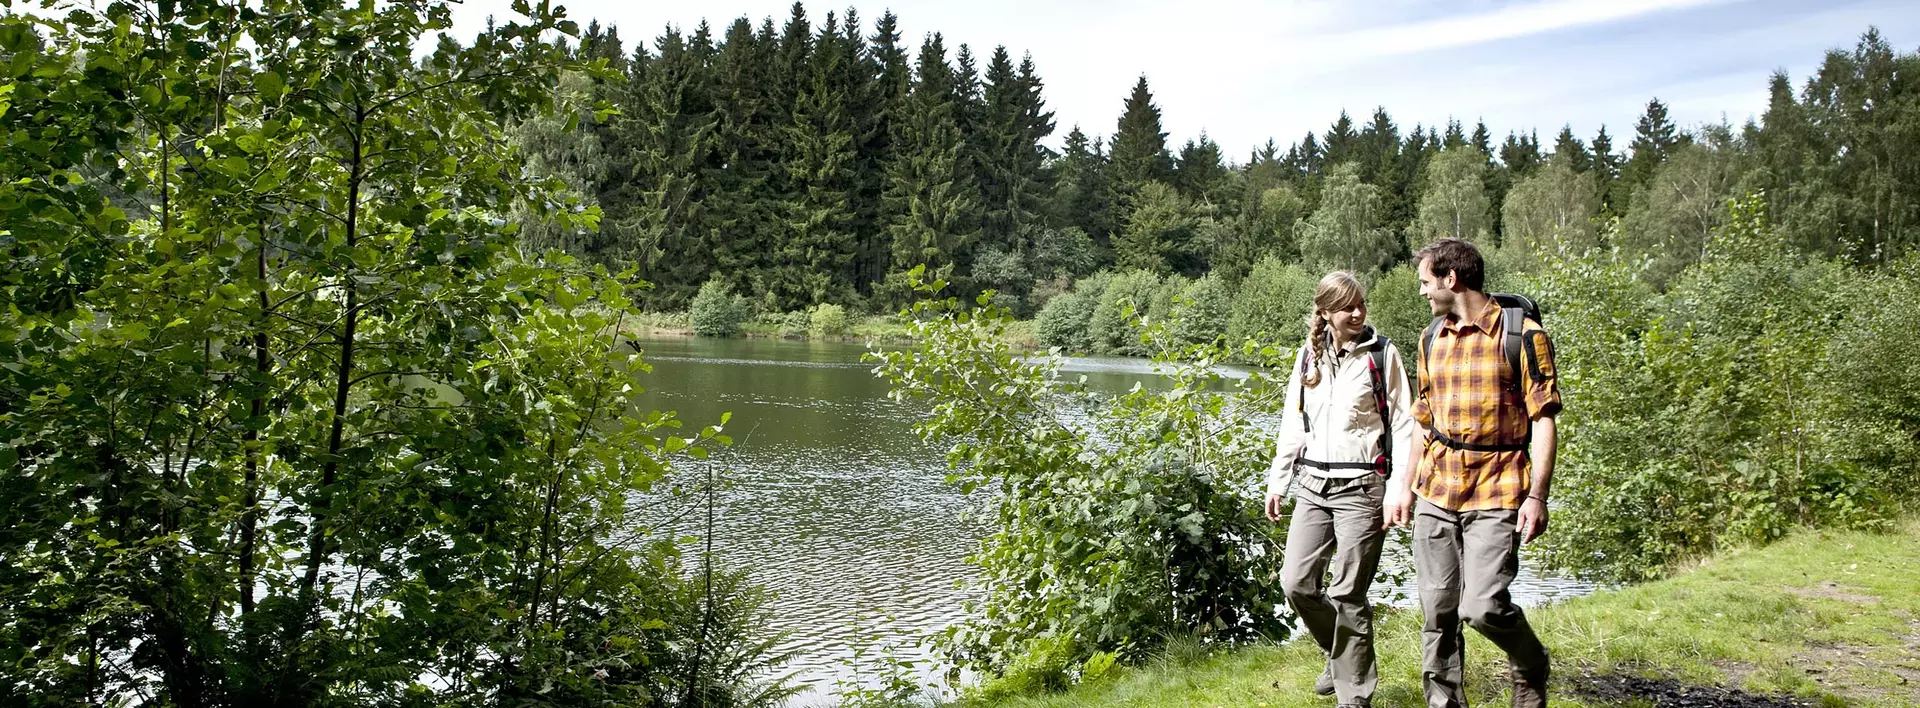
[[313, 391], [812, 160]]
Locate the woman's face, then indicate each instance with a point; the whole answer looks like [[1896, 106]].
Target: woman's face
[[1347, 323]]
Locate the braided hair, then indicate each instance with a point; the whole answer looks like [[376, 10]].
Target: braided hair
[[1339, 290]]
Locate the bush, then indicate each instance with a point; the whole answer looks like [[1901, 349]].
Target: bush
[[1127, 297], [795, 325], [1749, 399], [1063, 322], [1121, 521], [828, 320], [1271, 308], [716, 311], [1200, 315], [1397, 311]]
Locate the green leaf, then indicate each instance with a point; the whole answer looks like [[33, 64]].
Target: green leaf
[[270, 85]]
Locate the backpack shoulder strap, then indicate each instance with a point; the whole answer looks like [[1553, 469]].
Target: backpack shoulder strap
[[1306, 423], [1513, 325], [1377, 371], [1426, 340]]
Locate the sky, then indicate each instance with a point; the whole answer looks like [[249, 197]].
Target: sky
[[1247, 71]]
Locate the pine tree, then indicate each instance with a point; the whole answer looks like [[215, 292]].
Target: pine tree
[[1482, 139], [1653, 140], [744, 212], [1606, 170], [1139, 153], [666, 136], [932, 204], [814, 260], [1080, 197], [1200, 172], [1570, 147]]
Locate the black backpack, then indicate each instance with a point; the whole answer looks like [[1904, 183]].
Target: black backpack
[[1515, 310], [1377, 373]]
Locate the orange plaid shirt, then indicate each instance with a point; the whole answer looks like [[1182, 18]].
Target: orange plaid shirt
[[1467, 388]]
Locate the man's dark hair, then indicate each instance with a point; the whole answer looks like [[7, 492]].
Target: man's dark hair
[[1452, 255]]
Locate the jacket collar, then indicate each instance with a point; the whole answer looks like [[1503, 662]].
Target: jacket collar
[[1367, 339]]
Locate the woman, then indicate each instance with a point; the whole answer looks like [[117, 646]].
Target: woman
[[1347, 430]]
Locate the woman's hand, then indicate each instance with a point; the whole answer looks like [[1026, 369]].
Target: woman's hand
[[1276, 507]]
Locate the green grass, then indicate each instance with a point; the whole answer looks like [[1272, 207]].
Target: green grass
[[1831, 616]]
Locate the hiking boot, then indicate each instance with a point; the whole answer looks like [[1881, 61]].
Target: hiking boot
[[1324, 686], [1529, 687]]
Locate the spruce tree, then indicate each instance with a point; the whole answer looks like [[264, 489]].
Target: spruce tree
[[1606, 169], [1081, 195], [1654, 138], [1200, 171], [744, 210], [1139, 154], [890, 75], [1013, 180], [1455, 137], [813, 261], [1339, 142], [931, 202], [1570, 147], [666, 135]]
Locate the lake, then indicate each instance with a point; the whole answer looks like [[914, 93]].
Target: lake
[[834, 504]]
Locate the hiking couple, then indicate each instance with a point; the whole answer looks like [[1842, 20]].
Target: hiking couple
[[1472, 481]]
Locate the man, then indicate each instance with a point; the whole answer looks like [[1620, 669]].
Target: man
[[1483, 478]]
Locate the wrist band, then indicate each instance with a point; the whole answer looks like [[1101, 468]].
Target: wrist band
[[1542, 500]]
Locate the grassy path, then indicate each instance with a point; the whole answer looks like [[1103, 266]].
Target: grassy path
[[1831, 618]]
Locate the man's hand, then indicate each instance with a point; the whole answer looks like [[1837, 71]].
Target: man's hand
[[1276, 507], [1399, 509], [1533, 520]]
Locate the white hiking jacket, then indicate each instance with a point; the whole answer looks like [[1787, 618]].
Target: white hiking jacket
[[1345, 417]]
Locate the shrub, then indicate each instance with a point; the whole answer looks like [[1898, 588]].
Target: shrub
[[1395, 308], [1127, 297], [828, 320], [1121, 521], [795, 325], [716, 311], [1201, 312], [1271, 307], [1063, 322], [1758, 394], [1066, 324]]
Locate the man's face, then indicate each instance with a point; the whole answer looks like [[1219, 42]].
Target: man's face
[[1437, 290]]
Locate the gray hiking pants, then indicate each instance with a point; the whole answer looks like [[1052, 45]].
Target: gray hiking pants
[[1463, 562], [1338, 520]]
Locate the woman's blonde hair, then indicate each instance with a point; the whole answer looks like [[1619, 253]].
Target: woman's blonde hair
[[1339, 290]]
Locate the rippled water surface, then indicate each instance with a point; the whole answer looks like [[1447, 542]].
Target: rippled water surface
[[834, 503]]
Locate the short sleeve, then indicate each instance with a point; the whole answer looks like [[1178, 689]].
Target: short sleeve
[[1543, 380]]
